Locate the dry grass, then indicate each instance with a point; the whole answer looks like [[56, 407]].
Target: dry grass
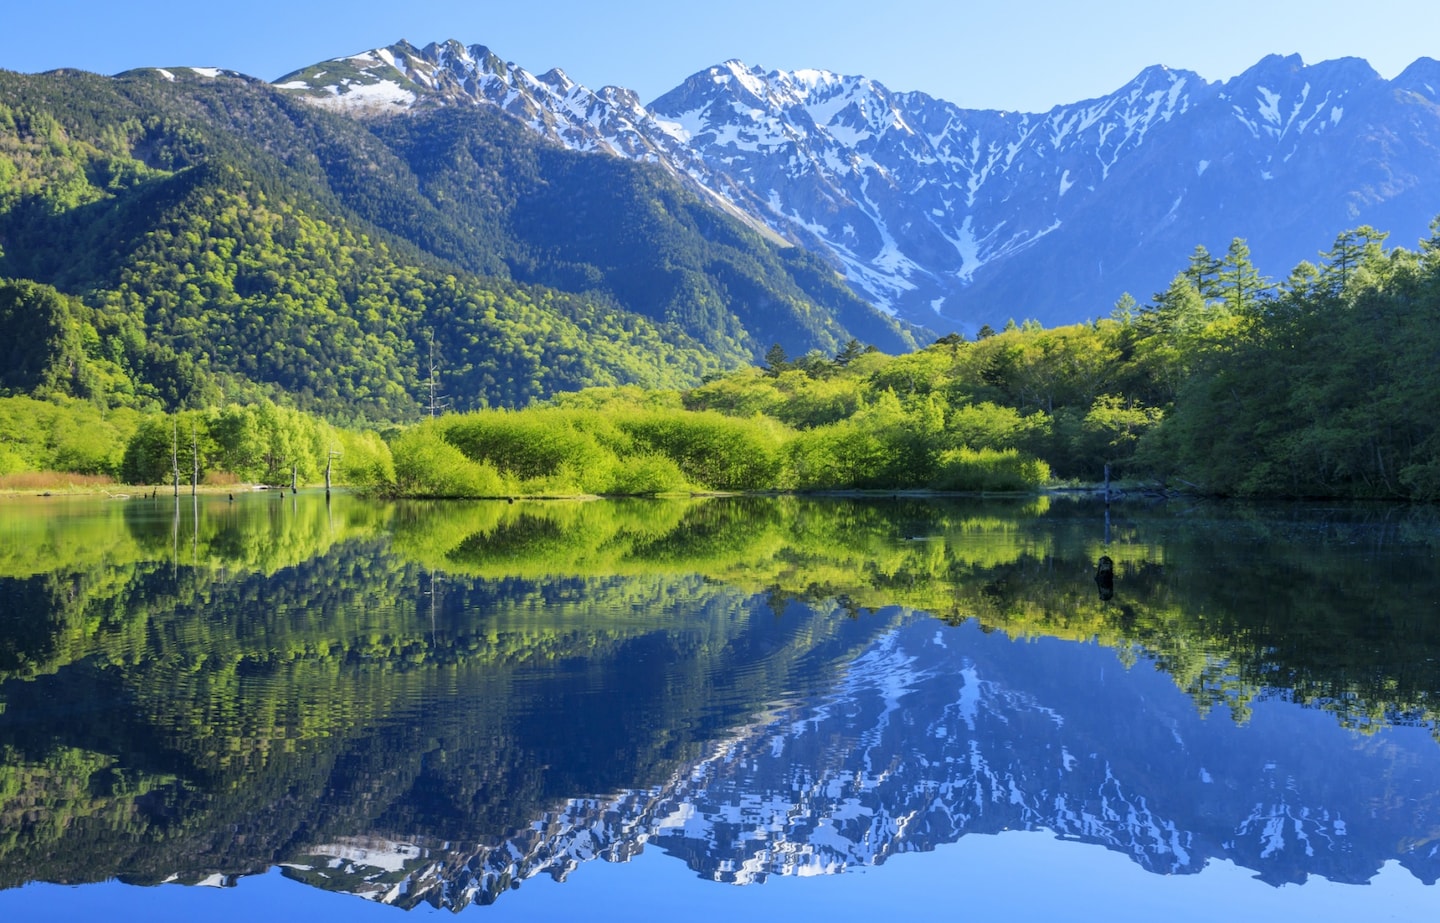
[[62, 482], [55, 481]]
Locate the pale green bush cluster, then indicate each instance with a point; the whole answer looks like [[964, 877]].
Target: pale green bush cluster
[[592, 446], [428, 466], [988, 470], [624, 450]]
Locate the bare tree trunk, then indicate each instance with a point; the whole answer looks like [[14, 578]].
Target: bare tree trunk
[[329, 461]]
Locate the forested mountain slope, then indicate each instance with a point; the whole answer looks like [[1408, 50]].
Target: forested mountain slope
[[198, 236]]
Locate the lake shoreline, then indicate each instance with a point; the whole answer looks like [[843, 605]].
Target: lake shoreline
[[117, 491]]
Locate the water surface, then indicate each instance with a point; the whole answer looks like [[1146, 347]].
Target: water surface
[[717, 706]]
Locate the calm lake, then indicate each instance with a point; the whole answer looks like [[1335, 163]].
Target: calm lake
[[350, 709]]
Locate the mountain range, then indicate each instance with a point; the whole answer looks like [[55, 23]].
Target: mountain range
[[952, 217], [372, 228]]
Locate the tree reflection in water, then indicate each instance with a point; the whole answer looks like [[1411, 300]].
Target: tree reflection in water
[[431, 703]]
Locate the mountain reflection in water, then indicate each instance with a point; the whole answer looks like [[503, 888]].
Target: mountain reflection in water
[[432, 704]]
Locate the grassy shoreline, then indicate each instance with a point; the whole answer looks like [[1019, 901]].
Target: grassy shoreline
[[64, 484], [60, 484]]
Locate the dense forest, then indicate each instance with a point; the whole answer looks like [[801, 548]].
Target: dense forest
[[189, 242]]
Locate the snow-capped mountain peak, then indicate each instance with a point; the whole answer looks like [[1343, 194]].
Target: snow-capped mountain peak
[[975, 215]]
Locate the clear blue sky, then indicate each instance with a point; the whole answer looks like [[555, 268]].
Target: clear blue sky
[[1022, 54]]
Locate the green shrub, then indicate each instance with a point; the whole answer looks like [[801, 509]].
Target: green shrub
[[843, 456], [10, 463], [534, 445], [714, 451], [885, 445], [64, 435], [365, 461], [646, 474], [428, 466], [989, 426], [989, 469]]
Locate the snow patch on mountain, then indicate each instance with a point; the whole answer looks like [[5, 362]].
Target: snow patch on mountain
[[914, 199]]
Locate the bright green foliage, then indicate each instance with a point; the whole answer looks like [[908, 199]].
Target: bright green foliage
[[741, 394], [883, 445], [362, 460], [844, 432], [1113, 428], [542, 446], [428, 466], [624, 396], [988, 470], [916, 373], [70, 436], [263, 442], [795, 397], [811, 402], [257, 443], [647, 474], [992, 426], [882, 422], [621, 448], [842, 456], [714, 451]]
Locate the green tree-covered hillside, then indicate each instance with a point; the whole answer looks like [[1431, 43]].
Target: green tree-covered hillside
[[209, 239]]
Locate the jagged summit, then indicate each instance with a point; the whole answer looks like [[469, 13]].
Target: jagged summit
[[1422, 77], [1275, 63], [1291, 70], [1155, 78], [955, 217]]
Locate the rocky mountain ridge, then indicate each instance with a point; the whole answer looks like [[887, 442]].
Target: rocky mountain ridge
[[953, 217]]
